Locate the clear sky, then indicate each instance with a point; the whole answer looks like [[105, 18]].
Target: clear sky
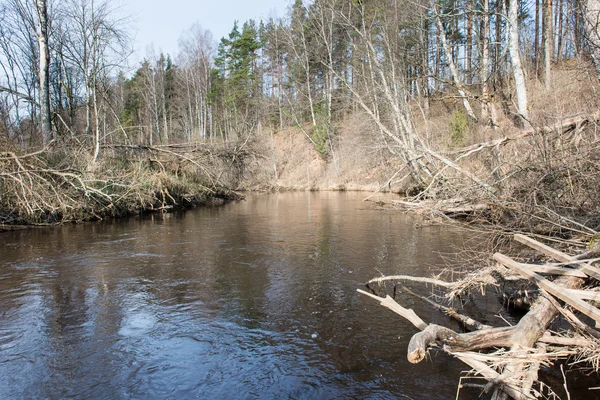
[[161, 22]]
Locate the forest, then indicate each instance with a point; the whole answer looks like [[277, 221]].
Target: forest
[[487, 105]]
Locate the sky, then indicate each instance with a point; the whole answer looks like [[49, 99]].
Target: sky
[[161, 22]]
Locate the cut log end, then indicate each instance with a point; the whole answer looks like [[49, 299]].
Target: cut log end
[[416, 356]]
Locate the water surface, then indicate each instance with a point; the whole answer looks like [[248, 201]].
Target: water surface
[[255, 299]]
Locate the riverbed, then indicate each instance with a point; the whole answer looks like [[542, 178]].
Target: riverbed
[[254, 299]]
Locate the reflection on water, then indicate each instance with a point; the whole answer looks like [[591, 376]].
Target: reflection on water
[[254, 299]]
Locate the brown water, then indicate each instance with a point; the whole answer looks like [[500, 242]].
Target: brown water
[[255, 299]]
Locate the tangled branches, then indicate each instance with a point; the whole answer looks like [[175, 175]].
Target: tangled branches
[[53, 186], [32, 192], [509, 357], [543, 181]]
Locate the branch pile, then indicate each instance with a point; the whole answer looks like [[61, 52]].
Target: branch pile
[[542, 181], [510, 357], [32, 191], [53, 186]]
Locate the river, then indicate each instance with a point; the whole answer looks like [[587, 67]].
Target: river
[[255, 299]]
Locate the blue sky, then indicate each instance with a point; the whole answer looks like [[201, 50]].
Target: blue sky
[[161, 23]]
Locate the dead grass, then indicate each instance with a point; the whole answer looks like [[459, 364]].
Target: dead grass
[[359, 161]]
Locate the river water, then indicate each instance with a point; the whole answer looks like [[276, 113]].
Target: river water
[[255, 299]]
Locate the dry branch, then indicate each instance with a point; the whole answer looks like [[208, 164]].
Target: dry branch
[[512, 372], [431, 281], [406, 313], [468, 322], [562, 126]]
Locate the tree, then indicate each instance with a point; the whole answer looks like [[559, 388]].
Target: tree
[[591, 17], [195, 60], [451, 64], [547, 40], [235, 87], [515, 57], [299, 64], [95, 43], [24, 59], [276, 52], [44, 69]]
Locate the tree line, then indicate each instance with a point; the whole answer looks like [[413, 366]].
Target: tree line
[[62, 74]]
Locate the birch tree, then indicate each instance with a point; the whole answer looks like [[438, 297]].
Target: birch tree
[[515, 57], [195, 59], [487, 110], [591, 16], [96, 43]]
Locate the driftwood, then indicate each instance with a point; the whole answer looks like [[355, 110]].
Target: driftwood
[[452, 208], [526, 341], [468, 322]]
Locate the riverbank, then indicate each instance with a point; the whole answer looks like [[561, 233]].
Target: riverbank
[[59, 184], [541, 179], [356, 162]]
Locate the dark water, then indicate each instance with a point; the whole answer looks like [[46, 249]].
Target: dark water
[[250, 300]]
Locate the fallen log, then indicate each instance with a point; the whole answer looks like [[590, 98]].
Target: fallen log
[[562, 126], [450, 208]]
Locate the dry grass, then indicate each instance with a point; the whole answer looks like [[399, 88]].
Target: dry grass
[[359, 161]]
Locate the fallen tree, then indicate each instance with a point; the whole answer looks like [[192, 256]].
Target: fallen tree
[[509, 357], [57, 185]]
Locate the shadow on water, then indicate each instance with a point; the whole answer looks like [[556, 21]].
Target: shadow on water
[[254, 299]]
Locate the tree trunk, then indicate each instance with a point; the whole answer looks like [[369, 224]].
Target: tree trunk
[[591, 16], [469, 45], [487, 113], [438, 62], [536, 39], [513, 48], [498, 39], [425, 67], [547, 38], [165, 117], [559, 30], [44, 70], [96, 125]]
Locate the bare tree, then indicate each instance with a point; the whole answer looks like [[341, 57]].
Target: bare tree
[[96, 43], [195, 60], [451, 63], [23, 39], [44, 69]]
